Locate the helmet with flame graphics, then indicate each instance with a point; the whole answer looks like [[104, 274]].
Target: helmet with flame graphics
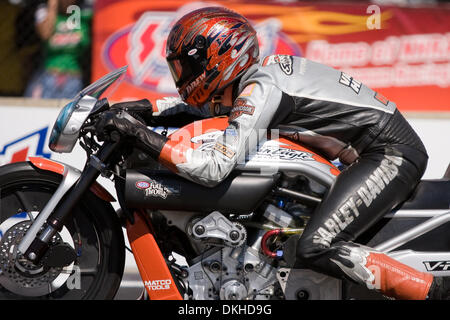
[[207, 50]]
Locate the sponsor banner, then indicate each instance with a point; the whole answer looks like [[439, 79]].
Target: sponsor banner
[[402, 53]]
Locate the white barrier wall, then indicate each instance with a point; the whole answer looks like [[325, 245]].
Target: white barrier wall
[[434, 130], [26, 126]]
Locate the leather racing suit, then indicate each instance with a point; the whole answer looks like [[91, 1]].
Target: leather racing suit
[[302, 96]]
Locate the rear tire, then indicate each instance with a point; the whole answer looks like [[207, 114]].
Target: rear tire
[[95, 230]]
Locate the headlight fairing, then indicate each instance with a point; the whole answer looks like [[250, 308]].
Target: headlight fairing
[[68, 124], [59, 126]]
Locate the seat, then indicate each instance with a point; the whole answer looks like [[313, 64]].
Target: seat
[[429, 194]]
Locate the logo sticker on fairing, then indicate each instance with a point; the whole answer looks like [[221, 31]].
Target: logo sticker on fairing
[[285, 154], [278, 153], [437, 265], [142, 185], [158, 284], [153, 188]]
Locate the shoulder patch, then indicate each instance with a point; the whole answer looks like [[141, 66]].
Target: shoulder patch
[[225, 150], [284, 61], [348, 81]]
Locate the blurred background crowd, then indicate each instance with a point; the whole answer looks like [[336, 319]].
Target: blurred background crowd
[[44, 47]]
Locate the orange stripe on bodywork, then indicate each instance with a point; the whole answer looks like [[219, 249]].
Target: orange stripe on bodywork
[[398, 280], [152, 266], [292, 145], [101, 192], [46, 164], [179, 142], [53, 166]]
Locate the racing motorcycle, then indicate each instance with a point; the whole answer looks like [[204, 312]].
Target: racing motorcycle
[[64, 239]]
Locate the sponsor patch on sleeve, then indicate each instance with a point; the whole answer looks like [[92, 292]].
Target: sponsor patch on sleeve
[[224, 150], [241, 107]]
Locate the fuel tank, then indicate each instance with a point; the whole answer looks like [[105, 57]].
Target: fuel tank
[[240, 193]]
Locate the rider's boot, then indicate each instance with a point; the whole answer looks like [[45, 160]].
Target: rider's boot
[[382, 273]]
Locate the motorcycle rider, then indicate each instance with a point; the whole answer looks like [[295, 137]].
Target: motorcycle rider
[[213, 56]]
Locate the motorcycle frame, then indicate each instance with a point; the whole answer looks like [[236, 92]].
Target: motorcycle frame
[[153, 267], [149, 258]]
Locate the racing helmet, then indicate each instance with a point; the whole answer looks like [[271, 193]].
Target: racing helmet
[[207, 50]]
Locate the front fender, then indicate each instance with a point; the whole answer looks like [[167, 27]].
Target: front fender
[[63, 169]]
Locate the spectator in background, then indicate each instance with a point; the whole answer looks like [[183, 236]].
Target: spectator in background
[[19, 45], [65, 28]]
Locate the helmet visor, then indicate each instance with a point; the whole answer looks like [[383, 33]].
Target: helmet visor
[[175, 69], [180, 71]]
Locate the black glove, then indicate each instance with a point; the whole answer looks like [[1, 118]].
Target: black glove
[[122, 122], [140, 109]]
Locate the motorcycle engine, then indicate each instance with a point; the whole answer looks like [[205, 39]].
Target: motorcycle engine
[[230, 269], [231, 265], [232, 274]]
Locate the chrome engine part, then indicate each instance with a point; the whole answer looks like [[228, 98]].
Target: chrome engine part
[[233, 268], [233, 290], [216, 226], [231, 274]]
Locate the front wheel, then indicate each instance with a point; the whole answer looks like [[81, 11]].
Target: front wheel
[[94, 232]]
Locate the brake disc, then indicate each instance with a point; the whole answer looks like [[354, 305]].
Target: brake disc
[[21, 276]]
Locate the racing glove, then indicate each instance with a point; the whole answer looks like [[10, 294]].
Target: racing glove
[[117, 119]]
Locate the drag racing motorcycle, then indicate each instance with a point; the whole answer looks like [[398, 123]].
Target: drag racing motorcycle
[[63, 237]]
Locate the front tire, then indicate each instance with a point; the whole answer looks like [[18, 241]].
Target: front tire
[[94, 231]]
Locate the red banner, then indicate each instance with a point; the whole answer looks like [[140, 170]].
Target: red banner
[[403, 53]]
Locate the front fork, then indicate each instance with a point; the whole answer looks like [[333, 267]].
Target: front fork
[[34, 247]]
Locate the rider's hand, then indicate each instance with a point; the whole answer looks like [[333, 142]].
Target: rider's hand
[[123, 118], [129, 126], [140, 109], [106, 124]]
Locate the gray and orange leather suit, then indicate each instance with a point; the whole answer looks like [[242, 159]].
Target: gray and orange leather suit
[[298, 95]]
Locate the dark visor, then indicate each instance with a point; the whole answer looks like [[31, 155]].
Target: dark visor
[[180, 72]]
